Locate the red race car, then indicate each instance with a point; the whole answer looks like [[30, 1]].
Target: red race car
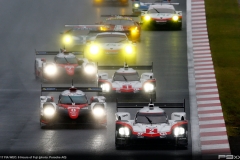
[[72, 106]]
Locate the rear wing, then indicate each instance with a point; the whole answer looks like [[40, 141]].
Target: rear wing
[[61, 89], [56, 52], [140, 67], [131, 15], [162, 2], [142, 104], [85, 27]]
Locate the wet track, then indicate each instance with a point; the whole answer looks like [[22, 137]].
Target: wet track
[[27, 25]]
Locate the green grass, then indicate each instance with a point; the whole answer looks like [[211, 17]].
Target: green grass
[[223, 23]]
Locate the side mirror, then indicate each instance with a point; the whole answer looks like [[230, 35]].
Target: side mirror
[[181, 116]]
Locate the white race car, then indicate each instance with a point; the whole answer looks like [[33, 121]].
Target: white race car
[[126, 81], [100, 45], [162, 14], [64, 66], [72, 107], [151, 125]]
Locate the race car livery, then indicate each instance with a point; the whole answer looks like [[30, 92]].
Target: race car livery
[[122, 23], [64, 66], [103, 47], [126, 81], [162, 15], [141, 5], [99, 2], [71, 106], [151, 125]]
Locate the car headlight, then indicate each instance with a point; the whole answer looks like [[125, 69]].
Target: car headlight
[[90, 69], [129, 49], [67, 39], [48, 111], [147, 18], [136, 5], [50, 69], [134, 30], [178, 131], [94, 49], [124, 131], [175, 18], [105, 87], [148, 87], [98, 111]]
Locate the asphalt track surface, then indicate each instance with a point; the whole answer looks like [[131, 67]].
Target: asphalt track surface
[[27, 25]]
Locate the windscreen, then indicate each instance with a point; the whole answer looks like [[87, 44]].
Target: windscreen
[[110, 38], [75, 99], [151, 118], [62, 60], [161, 10], [126, 76], [123, 22]]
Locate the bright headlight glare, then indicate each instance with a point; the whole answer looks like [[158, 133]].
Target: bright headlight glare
[[50, 69], [178, 131], [105, 87], [124, 131], [129, 49], [67, 39], [147, 18], [148, 87], [89, 69], [48, 111], [175, 18], [94, 49], [98, 111], [136, 5]]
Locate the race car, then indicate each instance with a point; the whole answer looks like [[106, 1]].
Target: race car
[[64, 66], [104, 47], [99, 2], [122, 23], [151, 125], [138, 5], [72, 106], [126, 82], [161, 15]]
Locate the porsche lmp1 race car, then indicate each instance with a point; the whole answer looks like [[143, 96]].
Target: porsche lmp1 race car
[[162, 15], [64, 66], [122, 23], [99, 2], [151, 125], [72, 107], [126, 82], [102, 47]]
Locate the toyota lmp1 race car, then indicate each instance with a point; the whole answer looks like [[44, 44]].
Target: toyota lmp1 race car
[[126, 82], [151, 125], [122, 23], [64, 66], [103, 47], [72, 107], [161, 15]]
